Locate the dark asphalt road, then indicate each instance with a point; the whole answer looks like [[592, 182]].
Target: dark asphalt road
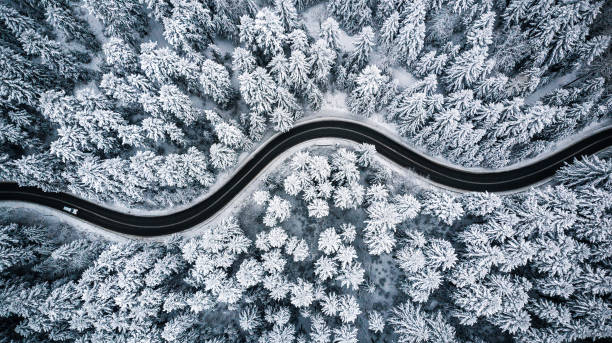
[[148, 226]]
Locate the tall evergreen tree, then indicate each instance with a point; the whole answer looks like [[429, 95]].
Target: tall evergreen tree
[[215, 81], [360, 56], [411, 35], [189, 27], [263, 34], [258, 90], [370, 88], [122, 18], [330, 32], [287, 13], [353, 14]]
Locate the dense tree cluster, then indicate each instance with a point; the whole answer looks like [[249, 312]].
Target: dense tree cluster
[[109, 117], [144, 102], [93, 84], [529, 267], [480, 66]]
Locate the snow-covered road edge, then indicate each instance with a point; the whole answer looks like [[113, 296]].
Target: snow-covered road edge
[[339, 114]]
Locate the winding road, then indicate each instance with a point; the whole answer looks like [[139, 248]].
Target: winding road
[[463, 179]]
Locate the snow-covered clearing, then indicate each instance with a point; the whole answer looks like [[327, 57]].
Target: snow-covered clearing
[[156, 34], [403, 78]]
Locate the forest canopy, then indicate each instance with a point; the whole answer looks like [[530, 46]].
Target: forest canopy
[[144, 103], [148, 103], [333, 246]]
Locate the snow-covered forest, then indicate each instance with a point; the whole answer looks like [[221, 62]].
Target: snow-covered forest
[[148, 104], [145, 102], [334, 246]]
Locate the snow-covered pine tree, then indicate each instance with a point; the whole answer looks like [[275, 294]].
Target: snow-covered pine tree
[[215, 82], [389, 30], [174, 101], [587, 172], [318, 208], [431, 63], [410, 38], [352, 14], [360, 56], [221, 156], [299, 69], [62, 18], [60, 60], [119, 55], [279, 67], [163, 65], [282, 120], [258, 90], [467, 69], [369, 89], [330, 33], [263, 34], [287, 13], [443, 206], [322, 59], [189, 27], [243, 61], [120, 18], [413, 325]]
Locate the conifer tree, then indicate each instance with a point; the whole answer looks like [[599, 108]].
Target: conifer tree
[[15, 21], [587, 172], [287, 13], [189, 26], [330, 33], [282, 120], [443, 206], [258, 90], [21, 81], [163, 65], [173, 100], [61, 61], [370, 88], [480, 32], [363, 48], [431, 63], [222, 157], [322, 60], [119, 55], [352, 14], [411, 35], [299, 69], [122, 18], [264, 33], [389, 30], [243, 61], [467, 69], [63, 20], [215, 82], [279, 67]]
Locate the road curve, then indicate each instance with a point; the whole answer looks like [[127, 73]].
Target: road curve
[[149, 226]]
